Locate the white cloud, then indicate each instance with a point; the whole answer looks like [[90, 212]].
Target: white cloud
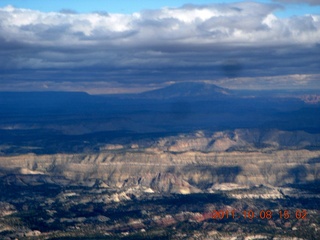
[[212, 24]]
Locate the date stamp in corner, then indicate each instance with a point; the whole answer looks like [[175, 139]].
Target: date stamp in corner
[[262, 214]]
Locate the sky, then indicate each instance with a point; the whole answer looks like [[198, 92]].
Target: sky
[[293, 7], [102, 46]]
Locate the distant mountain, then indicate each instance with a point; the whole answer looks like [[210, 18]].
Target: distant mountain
[[187, 90]]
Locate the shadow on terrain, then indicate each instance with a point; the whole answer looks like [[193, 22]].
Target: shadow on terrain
[[204, 176], [314, 160], [301, 175], [298, 173], [312, 187]]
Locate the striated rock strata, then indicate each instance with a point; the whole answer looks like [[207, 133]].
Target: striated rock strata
[[164, 171]]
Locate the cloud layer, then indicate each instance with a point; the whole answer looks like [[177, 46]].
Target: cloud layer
[[156, 46], [311, 2]]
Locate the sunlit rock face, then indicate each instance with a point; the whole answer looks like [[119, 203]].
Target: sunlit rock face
[[198, 162]]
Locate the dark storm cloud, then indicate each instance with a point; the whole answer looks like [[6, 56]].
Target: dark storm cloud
[[188, 43]]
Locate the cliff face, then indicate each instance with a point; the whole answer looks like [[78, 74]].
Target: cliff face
[[184, 164]]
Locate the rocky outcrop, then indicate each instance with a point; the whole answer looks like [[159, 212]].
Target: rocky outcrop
[[188, 163], [184, 172], [240, 139]]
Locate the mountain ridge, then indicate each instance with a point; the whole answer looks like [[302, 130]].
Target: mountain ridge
[[187, 90]]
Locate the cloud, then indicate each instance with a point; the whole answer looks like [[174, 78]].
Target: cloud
[[155, 46], [68, 11], [311, 2]]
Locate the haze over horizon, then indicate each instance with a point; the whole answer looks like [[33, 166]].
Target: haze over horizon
[[239, 45]]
